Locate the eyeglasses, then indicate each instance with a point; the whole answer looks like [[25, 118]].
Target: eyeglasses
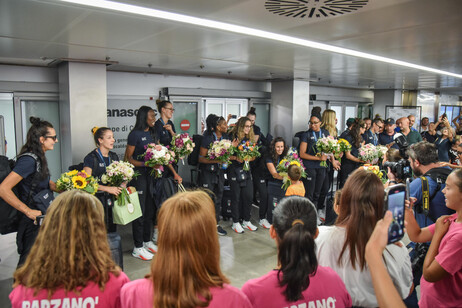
[[52, 137], [248, 126], [172, 109], [380, 127], [313, 123]]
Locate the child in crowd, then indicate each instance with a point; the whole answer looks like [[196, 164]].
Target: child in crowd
[[296, 187], [298, 281]]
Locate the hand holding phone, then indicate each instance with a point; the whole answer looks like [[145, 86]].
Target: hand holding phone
[[394, 200]]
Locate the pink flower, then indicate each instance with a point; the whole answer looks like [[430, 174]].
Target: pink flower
[[158, 147]]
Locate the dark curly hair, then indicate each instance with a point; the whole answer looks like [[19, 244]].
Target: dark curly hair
[[272, 151]]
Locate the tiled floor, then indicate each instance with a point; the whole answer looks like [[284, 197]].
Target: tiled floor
[[243, 256]]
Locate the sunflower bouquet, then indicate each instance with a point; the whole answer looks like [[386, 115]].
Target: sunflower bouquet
[[182, 145], [221, 150], [342, 146], [282, 168], [77, 180], [246, 151], [326, 145], [157, 156], [376, 170], [119, 173]]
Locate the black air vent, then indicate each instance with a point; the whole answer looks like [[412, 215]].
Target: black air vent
[[313, 8]]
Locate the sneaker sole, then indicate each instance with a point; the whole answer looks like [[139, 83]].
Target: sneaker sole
[[251, 229], [237, 232], [141, 257], [151, 250], [263, 226]]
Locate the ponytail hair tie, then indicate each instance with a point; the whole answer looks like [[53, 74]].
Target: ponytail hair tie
[[297, 221], [94, 129]]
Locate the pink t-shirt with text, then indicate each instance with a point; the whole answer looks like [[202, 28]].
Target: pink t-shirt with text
[[139, 293], [90, 296], [326, 289], [448, 291]]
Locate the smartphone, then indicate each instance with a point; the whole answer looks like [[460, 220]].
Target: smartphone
[[39, 219], [233, 116], [394, 201]]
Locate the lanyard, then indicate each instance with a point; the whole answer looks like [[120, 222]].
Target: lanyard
[[375, 138], [102, 158], [316, 138], [216, 138]]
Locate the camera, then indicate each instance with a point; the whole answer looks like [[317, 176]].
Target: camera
[[401, 169]]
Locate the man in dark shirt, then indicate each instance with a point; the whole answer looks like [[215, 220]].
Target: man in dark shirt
[[430, 135], [411, 136], [386, 137], [373, 133], [349, 122]]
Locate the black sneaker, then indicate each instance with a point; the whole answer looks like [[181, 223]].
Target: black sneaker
[[221, 231]]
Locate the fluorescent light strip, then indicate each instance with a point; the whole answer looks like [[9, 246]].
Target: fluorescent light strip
[[127, 8]]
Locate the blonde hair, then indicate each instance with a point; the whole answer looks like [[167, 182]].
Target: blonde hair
[[188, 262], [71, 248], [328, 122], [238, 130]]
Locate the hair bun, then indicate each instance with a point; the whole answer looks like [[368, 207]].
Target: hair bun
[[94, 129], [35, 121], [252, 109]]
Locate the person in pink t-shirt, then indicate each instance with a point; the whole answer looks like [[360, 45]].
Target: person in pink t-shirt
[[442, 269], [299, 281], [186, 270], [70, 263]]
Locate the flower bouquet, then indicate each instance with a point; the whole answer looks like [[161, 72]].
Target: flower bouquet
[[376, 170], [282, 168], [119, 173], [368, 153], [381, 151], [221, 150], [182, 145], [245, 151], [157, 156], [326, 145], [77, 180]]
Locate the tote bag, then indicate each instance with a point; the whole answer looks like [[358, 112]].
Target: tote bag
[[128, 212]]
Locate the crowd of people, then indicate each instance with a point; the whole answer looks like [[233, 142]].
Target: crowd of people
[[347, 263]]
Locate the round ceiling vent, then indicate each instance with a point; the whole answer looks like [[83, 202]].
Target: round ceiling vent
[[313, 8]]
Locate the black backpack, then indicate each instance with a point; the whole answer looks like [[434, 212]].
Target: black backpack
[[193, 158], [9, 216]]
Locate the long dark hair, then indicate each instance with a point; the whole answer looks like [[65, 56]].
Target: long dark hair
[[361, 206], [211, 123], [355, 133], [38, 129], [295, 223], [274, 155], [141, 121]]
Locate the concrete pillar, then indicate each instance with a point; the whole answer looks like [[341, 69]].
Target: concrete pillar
[[82, 105], [289, 108], [383, 98]]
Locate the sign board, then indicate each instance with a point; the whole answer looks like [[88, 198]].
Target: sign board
[[185, 124]]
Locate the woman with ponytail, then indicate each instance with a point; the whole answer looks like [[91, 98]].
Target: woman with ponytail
[[298, 280], [32, 176], [95, 164]]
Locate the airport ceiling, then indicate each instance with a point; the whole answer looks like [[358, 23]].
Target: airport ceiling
[[423, 32]]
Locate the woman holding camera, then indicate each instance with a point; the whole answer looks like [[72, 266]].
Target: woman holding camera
[[342, 246], [70, 263], [32, 176]]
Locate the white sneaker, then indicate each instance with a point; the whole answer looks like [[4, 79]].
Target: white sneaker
[[142, 253], [321, 213], [150, 246], [249, 225], [264, 223], [237, 227], [155, 235]]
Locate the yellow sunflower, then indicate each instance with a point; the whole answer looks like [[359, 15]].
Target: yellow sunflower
[[72, 173], [294, 162], [79, 182]]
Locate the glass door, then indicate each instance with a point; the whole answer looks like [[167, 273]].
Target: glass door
[[48, 111], [8, 132]]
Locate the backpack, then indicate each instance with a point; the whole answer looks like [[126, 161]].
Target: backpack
[[193, 158], [9, 216], [79, 166], [439, 175]]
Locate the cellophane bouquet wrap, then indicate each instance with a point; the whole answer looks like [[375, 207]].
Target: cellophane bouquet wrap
[[368, 153], [221, 151], [118, 174], [282, 168], [182, 145], [326, 145], [157, 156], [342, 146], [245, 151], [376, 170], [77, 180], [381, 151]]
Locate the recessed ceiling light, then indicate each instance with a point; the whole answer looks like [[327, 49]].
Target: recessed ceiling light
[[138, 10]]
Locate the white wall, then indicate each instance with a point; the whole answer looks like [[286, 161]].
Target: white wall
[[384, 98]]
